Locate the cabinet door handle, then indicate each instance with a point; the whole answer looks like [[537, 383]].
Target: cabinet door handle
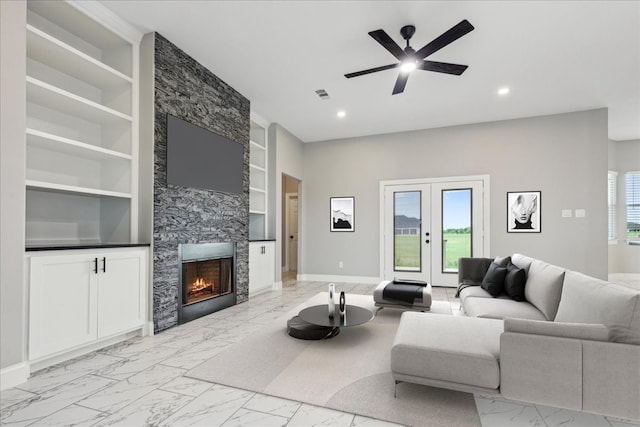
[[104, 264], [95, 265]]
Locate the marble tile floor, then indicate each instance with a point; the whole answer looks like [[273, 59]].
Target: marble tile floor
[[141, 382]]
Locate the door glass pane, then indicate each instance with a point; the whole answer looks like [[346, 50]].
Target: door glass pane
[[456, 228], [407, 218]]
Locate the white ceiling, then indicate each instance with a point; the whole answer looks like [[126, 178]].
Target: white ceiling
[[556, 56]]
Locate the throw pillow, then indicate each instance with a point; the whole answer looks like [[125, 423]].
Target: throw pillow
[[502, 261], [514, 282], [493, 281]]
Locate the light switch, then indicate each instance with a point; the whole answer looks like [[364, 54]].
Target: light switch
[[566, 213], [580, 213]]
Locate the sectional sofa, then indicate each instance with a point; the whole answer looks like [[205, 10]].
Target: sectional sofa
[[573, 341]]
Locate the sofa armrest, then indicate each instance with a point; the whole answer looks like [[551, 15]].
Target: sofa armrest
[[473, 269], [580, 331]]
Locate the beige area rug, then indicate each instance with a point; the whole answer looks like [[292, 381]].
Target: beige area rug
[[349, 372]]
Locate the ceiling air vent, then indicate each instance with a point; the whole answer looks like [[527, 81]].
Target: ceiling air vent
[[322, 94]]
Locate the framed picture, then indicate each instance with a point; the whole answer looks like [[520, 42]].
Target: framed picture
[[342, 213], [524, 212]]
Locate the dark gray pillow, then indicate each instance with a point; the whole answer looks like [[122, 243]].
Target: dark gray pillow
[[514, 283], [493, 281], [502, 261]]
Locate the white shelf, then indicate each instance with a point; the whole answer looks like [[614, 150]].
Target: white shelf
[[64, 145], [258, 190], [49, 96], [257, 212], [252, 166], [65, 19], [46, 49], [71, 189], [257, 145]]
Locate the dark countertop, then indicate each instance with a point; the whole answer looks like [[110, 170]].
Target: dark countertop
[[261, 240], [70, 246]]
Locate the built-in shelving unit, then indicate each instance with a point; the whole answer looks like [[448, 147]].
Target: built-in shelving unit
[[258, 181], [81, 135]]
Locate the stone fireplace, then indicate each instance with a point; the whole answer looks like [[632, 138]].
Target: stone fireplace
[[207, 279], [185, 89]]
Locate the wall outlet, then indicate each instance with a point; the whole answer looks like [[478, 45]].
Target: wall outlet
[[580, 213], [566, 213], [340, 264]]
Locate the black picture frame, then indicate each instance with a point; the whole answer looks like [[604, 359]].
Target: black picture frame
[[342, 214], [524, 212]]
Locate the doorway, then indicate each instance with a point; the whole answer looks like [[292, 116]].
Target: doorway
[[427, 225], [290, 229]]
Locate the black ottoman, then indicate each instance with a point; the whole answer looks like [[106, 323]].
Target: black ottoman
[[298, 328]]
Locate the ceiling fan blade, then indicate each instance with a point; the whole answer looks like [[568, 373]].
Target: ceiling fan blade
[[401, 82], [387, 42], [371, 70], [452, 34], [442, 67]]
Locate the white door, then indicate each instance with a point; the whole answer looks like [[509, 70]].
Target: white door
[[63, 302], [407, 232], [429, 225], [120, 279], [457, 223], [292, 232]]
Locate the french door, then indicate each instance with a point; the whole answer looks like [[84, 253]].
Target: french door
[[429, 225]]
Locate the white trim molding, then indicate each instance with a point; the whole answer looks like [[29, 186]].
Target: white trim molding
[[13, 375], [339, 279]]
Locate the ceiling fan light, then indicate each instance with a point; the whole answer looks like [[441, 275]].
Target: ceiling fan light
[[408, 65]]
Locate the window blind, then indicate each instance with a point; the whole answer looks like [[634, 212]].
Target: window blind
[[632, 196]]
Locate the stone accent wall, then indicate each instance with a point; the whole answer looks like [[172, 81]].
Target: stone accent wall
[[187, 90]]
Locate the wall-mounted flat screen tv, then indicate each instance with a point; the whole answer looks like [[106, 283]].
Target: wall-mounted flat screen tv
[[199, 158]]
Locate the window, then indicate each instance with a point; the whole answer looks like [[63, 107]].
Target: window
[[612, 179], [632, 188]]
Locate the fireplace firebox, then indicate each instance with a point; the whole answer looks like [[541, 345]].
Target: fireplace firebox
[[207, 280]]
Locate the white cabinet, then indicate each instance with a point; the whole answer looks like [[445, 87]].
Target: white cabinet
[[261, 266], [83, 297], [82, 125]]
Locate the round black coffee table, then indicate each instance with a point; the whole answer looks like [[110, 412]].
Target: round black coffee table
[[319, 315]]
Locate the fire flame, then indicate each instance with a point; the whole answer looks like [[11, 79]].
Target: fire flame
[[200, 285]]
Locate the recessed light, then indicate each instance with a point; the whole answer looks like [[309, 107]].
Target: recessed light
[[341, 114], [503, 91]]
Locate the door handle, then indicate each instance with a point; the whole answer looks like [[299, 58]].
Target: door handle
[[426, 234], [291, 237], [427, 241], [95, 265], [104, 264]]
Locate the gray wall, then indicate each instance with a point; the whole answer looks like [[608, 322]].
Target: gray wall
[[624, 156], [13, 311], [187, 90], [564, 156], [286, 153]]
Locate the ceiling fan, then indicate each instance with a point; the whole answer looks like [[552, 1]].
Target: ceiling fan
[[411, 59]]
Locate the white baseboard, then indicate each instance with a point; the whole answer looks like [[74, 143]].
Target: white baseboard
[[258, 291], [147, 329], [13, 375], [277, 286], [339, 279]]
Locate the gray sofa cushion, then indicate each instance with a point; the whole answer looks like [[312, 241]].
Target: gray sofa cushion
[[458, 349], [544, 287], [475, 292], [500, 308], [581, 331], [589, 300]]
